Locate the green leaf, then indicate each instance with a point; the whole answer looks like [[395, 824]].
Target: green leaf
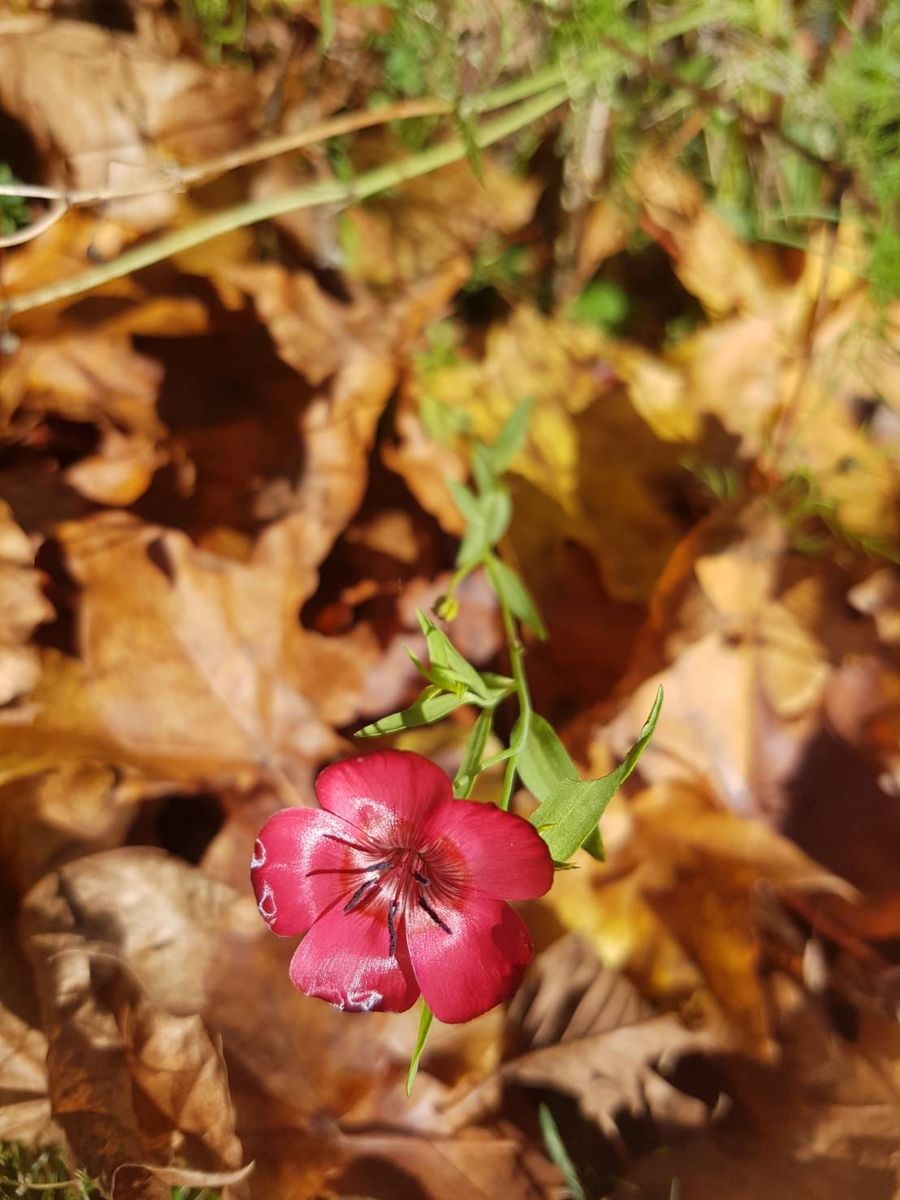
[[483, 469], [445, 657], [424, 1029], [487, 519], [512, 436], [429, 706], [515, 595], [465, 777], [558, 1154], [544, 760], [464, 499], [569, 815], [594, 845]]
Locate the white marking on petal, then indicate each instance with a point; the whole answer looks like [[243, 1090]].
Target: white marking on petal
[[267, 906], [363, 1001], [259, 855]]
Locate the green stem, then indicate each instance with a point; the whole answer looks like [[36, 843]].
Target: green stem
[[487, 763], [309, 196], [522, 726]]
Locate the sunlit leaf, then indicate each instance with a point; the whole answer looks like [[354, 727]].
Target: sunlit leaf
[[570, 813], [430, 706]]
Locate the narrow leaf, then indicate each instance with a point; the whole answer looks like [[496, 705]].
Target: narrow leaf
[[594, 845], [512, 436], [465, 777], [487, 519], [428, 707], [515, 595], [558, 1154], [544, 760], [483, 469], [569, 815], [424, 1029]]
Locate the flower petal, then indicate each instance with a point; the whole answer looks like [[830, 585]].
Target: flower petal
[[301, 864], [505, 855], [471, 961], [345, 959], [387, 795]]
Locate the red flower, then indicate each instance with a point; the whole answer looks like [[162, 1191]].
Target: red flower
[[401, 888]]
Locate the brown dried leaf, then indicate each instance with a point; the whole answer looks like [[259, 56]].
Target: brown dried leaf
[[429, 222], [161, 619], [581, 1029], [22, 607], [129, 1082], [90, 377], [106, 111], [823, 1123], [675, 903], [120, 473]]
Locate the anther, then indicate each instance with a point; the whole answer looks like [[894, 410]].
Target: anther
[[423, 903], [359, 894]]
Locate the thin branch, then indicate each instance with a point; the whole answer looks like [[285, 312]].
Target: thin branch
[[178, 178], [323, 192], [56, 212]]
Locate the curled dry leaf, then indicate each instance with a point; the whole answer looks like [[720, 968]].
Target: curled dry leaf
[[129, 1082], [93, 378], [120, 473], [146, 967]]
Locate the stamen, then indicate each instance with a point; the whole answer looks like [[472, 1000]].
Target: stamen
[[382, 866], [359, 894], [392, 929], [333, 837], [419, 878], [423, 903]]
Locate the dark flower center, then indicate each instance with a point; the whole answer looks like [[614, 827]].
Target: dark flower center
[[390, 879]]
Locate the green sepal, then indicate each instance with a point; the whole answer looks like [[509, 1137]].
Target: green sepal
[[451, 670], [593, 844], [574, 806]]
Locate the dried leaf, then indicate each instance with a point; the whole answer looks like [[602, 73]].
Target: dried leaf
[[128, 1081], [674, 902], [107, 109], [22, 607], [822, 1123], [580, 1029]]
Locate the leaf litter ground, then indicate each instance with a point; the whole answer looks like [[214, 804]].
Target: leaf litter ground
[[227, 487]]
